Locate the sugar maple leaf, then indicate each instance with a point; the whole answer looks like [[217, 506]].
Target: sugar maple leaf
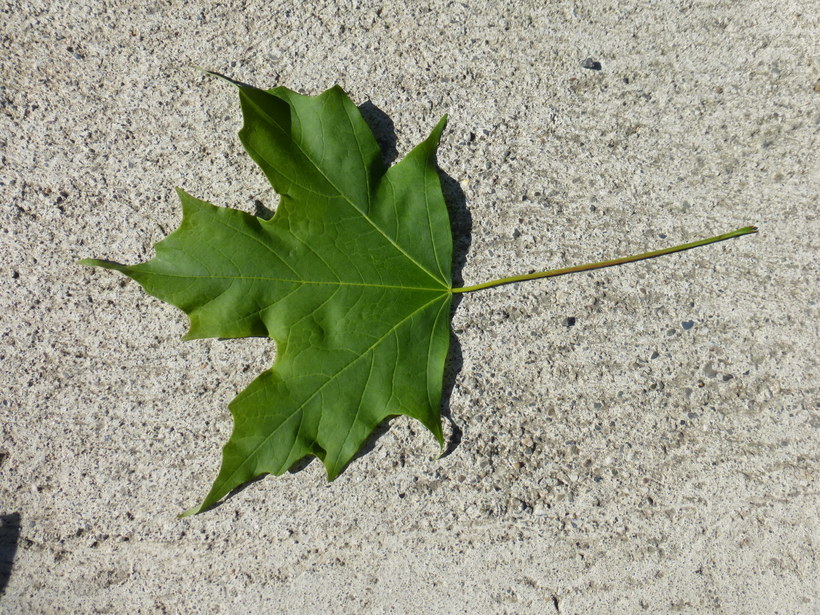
[[351, 278]]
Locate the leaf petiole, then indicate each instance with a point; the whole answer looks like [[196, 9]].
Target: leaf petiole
[[610, 263]]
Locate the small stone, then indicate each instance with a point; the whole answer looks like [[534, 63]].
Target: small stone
[[591, 64]]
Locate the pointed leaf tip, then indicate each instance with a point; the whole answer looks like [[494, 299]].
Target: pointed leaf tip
[[435, 135], [194, 510]]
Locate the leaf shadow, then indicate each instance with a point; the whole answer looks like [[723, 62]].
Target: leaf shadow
[[9, 537], [235, 491], [383, 130], [461, 223]]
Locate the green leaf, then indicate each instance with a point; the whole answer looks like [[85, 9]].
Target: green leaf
[[351, 278]]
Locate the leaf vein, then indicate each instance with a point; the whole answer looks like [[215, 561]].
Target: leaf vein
[[346, 198], [332, 378]]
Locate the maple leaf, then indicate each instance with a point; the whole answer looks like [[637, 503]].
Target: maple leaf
[[351, 278]]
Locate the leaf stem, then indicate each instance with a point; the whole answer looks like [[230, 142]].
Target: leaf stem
[[610, 263]]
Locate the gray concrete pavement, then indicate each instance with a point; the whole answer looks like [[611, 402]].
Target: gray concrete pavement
[[656, 454]]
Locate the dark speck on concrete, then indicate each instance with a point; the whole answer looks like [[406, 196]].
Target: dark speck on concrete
[[687, 325], [570, 321], [591, 64]]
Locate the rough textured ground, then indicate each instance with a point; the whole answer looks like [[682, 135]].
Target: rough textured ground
[[659, 455]]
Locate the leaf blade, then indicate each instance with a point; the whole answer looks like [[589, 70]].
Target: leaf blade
[[350, 277]]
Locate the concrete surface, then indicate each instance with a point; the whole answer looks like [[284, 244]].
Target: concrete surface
[[658, 456]]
